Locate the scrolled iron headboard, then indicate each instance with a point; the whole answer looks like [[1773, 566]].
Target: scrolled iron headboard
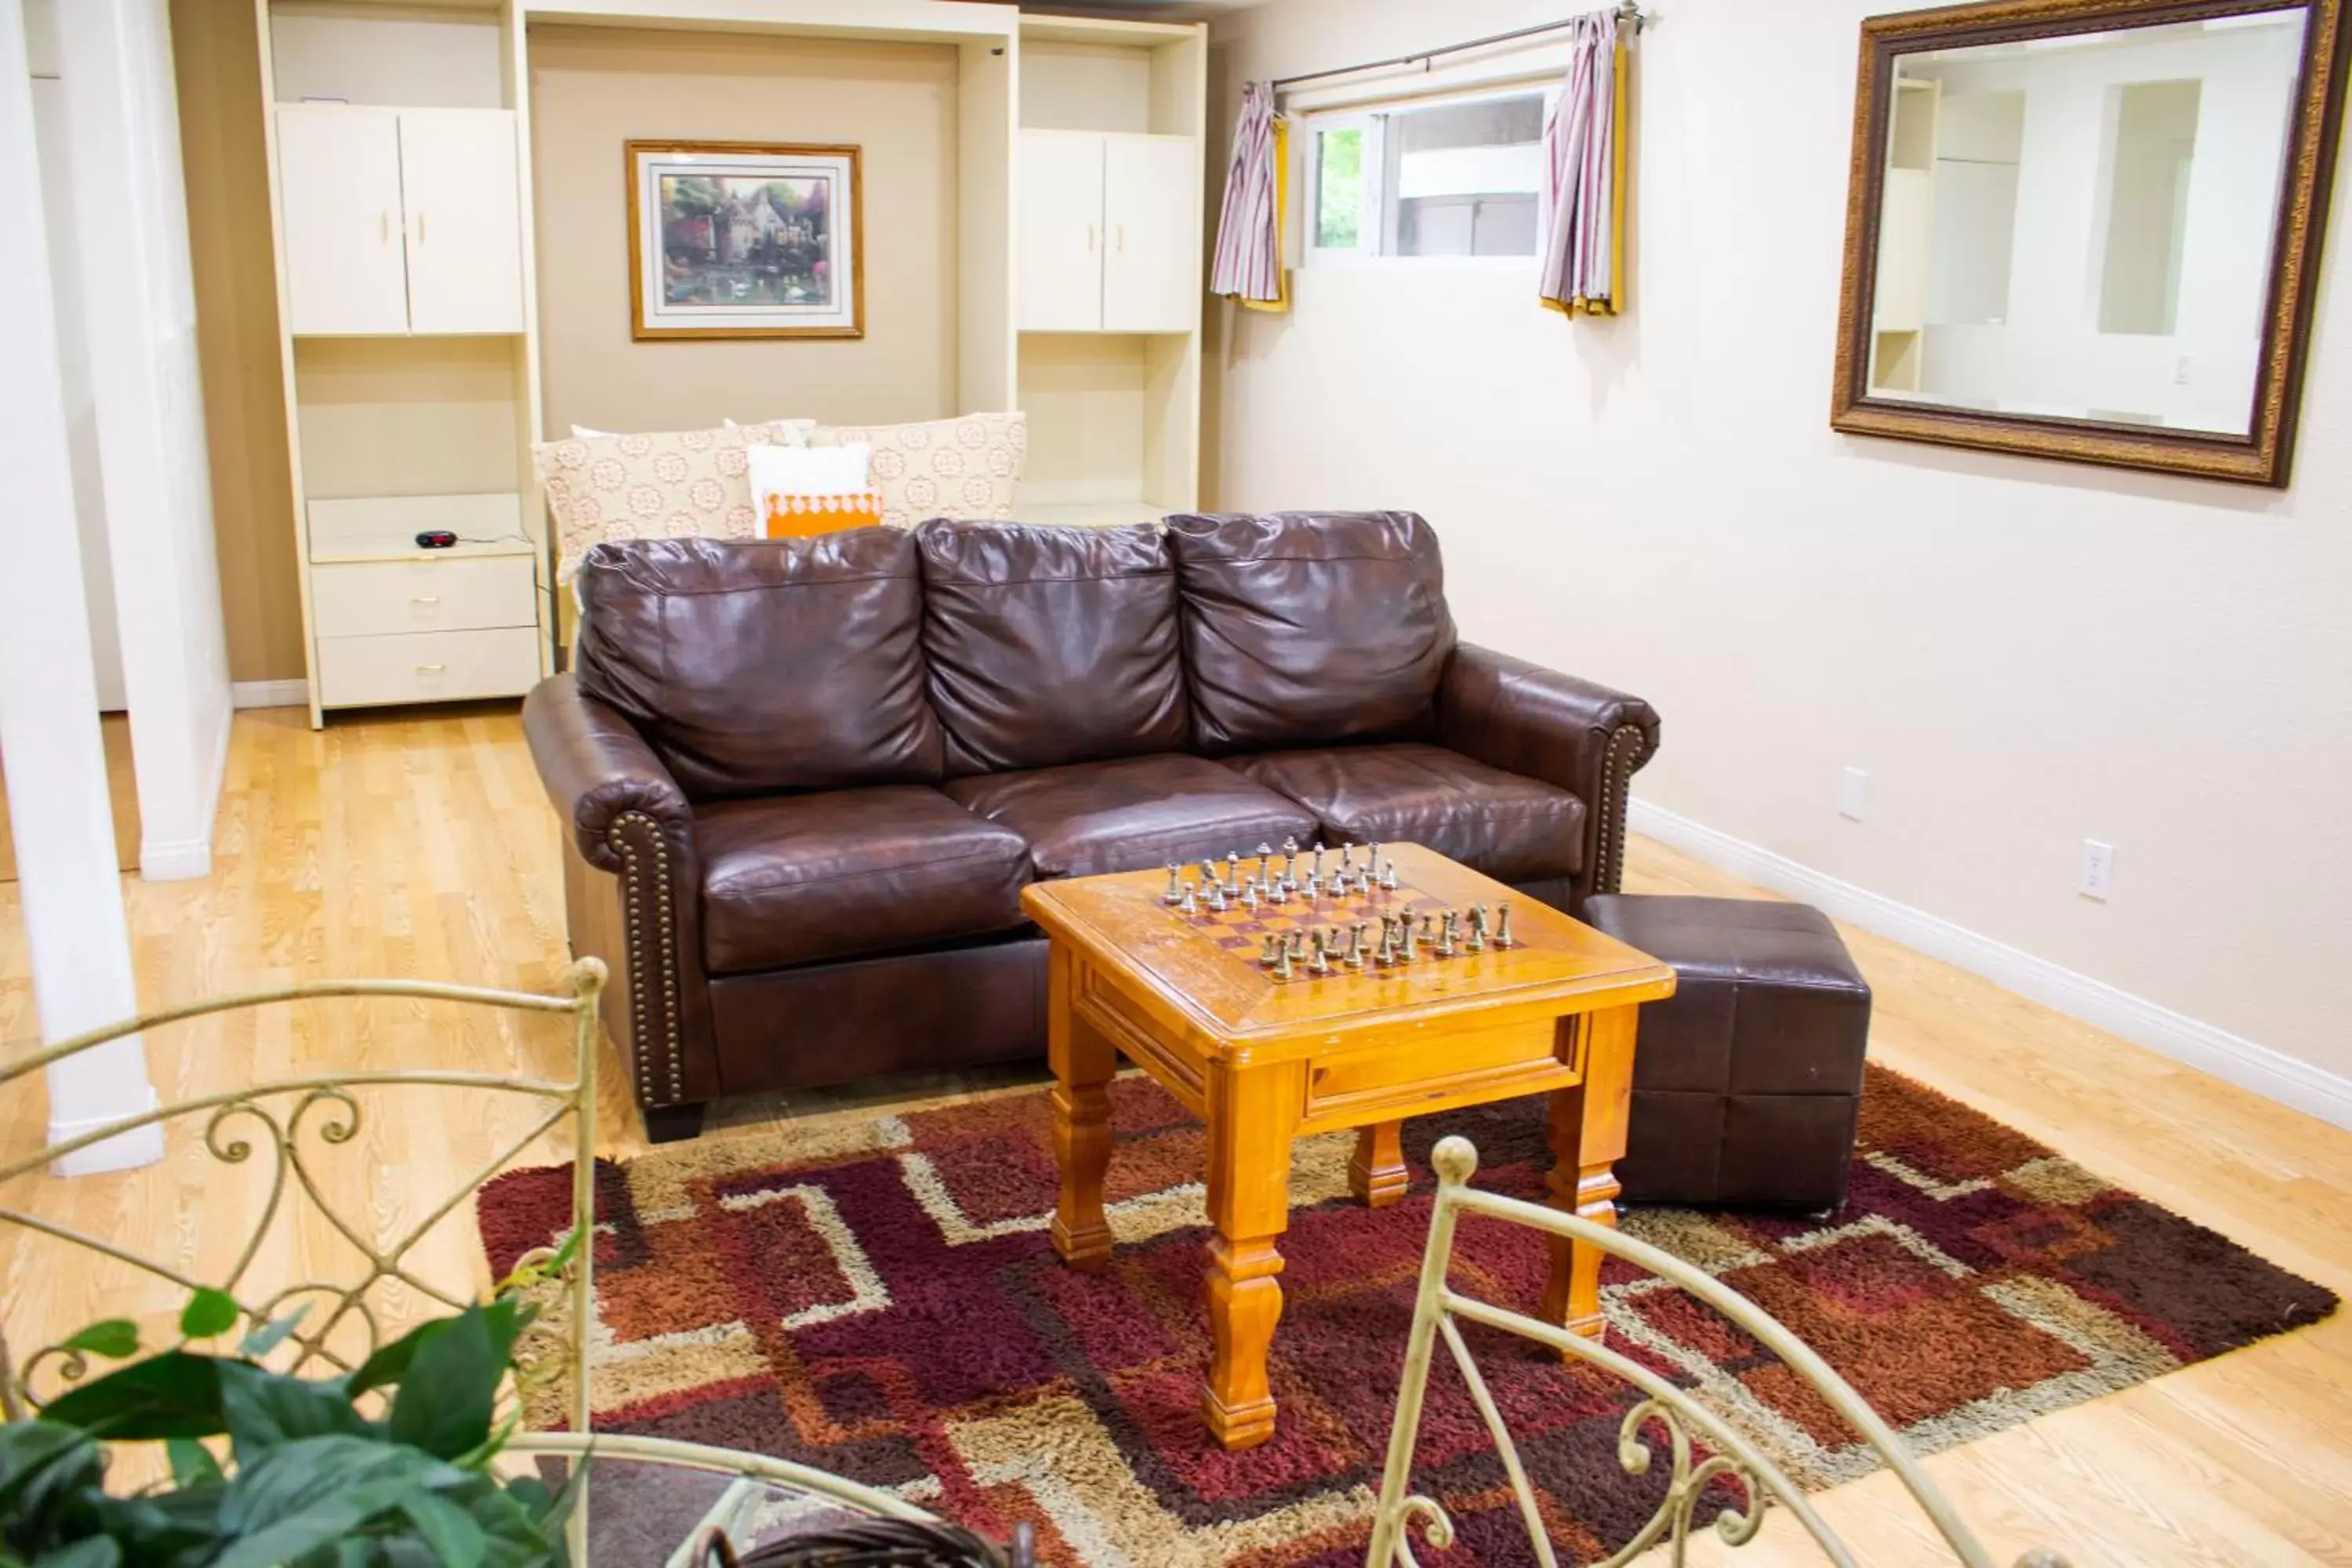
[[1686, 1423]]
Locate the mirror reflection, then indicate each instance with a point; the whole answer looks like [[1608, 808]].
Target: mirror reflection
[[2081, 226]]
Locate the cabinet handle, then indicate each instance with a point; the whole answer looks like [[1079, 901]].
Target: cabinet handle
[[426, 599], [1120, 243], [1090, 239], [383, 228], [430, 669], [420, 228]]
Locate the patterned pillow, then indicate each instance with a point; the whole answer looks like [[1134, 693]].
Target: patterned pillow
[[968, 468], [671, 485]]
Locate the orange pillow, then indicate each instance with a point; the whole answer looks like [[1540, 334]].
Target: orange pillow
[[794, 517]]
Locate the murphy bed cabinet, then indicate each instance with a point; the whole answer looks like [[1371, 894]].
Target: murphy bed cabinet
[[1107, 266], [400, 212]]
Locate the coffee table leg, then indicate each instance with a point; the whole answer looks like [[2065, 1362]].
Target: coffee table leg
[[1377, 1174], [1253, 1114], [1588, 1138], [1083, 1062]]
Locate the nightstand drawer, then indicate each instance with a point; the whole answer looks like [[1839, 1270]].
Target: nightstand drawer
[[426, 667], [376, 598]]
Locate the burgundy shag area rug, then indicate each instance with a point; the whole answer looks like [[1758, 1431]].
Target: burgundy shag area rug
[[876, 1297]]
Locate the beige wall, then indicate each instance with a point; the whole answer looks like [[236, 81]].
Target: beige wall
[[592, 89], [218, 73], [2023, 654]]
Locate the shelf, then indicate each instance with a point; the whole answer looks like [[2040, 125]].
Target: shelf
[[384, 528]]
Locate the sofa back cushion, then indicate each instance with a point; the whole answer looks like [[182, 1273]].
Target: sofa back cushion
[[1048, 646], [1308, 627], [754, 667]]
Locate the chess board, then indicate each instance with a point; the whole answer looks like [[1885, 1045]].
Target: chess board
[[1244, 931]]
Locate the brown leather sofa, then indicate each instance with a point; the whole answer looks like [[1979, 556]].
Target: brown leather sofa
[[805, 782]]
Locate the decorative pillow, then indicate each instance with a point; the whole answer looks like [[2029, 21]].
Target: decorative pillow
[[968, 468], [672, 485], [800, 490]]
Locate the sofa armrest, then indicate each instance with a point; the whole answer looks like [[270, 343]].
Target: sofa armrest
[[597, 769], [1574, 734], [627, 818]]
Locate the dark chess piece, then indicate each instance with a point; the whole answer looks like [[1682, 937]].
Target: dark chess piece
[[1267, 951], [1410, 951], [1503, 923], [1281, 959], [1318, 962], [1175, 894], [1445, 936], [1477, 940], [1356, 943]]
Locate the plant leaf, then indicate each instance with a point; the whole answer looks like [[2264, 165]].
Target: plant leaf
[[91, 1552], [449, 1530], [391, 1364], [340, 1480], [174, 1395], [192, 1464], [269, 1336], [263, 1409], [114, 1338], [209, 1314], [452, 1385]]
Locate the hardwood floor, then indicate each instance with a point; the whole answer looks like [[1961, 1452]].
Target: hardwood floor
[[421, 846]]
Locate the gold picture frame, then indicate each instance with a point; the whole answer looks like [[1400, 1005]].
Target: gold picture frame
[[745, 239], [2264, 453]]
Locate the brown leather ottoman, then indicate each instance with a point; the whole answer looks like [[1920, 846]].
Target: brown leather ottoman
[[1746, 1082]]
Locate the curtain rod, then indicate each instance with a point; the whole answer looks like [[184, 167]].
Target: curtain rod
[[1629, 14]]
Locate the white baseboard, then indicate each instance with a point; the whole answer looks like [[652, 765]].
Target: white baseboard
[[191, 859], [140, 1146], [2202, 1045], [270, 694]]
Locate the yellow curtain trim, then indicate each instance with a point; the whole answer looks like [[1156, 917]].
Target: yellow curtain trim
[[1281, 301]]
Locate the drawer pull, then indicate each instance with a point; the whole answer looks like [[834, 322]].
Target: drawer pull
[[430, 669], [426, 599]]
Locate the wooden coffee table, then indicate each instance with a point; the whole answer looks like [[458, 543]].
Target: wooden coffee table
[[1262, 1060]]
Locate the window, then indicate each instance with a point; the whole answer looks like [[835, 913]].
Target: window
[[1454, 179]]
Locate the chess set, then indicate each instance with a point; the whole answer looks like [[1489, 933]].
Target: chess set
[[1308, 918]]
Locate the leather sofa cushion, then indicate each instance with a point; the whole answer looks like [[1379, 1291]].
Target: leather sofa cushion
[[1302, 627], [761, 666], [1508, 826], [1050, 645], [1131, 812], [791, 880]]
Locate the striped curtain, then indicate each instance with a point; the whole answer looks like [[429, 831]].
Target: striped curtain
[[1248, 262], [1582, 211]]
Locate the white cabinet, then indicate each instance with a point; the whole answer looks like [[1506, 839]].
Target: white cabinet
[[340, 170], [1109, 232], [400, 220], [458, 183], [1060, 231], [1152, 213]]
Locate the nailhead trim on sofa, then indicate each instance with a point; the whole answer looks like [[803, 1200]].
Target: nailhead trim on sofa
[[640, 965]]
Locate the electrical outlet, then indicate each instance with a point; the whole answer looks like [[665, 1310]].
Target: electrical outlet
[[2183, 370], [2098, 870], [1853, 794]]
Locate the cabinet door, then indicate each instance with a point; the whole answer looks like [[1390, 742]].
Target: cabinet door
[[1152, 213], [458, 180], [339, 190], [1061, 232]]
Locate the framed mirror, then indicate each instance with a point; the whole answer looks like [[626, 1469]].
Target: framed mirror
[[2090, 229]]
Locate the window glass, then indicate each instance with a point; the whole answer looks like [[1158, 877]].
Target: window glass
[[1463, 177], [1339, 188]]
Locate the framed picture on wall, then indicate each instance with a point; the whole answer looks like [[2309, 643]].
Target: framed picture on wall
[[744, 240]]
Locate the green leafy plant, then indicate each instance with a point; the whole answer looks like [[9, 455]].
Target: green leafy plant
[[311, 1479]]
